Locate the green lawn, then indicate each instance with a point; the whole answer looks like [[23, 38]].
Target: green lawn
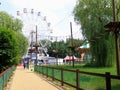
[[89, 82]]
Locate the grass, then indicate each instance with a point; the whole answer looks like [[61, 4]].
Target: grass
[[89, 69], [87, 82]]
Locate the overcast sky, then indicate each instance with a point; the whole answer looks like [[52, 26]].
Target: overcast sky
[[58, 13]]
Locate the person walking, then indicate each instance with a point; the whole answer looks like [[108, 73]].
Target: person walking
[[24, 64]]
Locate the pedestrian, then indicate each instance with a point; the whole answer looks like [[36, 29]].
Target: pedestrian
[[24, 64]]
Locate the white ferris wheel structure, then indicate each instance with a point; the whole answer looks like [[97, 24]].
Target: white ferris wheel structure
[[36, 28]]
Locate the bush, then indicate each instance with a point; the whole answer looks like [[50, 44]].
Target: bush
[[9, 50]]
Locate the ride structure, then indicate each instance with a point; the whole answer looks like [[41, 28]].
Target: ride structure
[[37, 29]]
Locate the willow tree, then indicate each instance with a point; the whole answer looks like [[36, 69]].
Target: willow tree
[[93, 15]]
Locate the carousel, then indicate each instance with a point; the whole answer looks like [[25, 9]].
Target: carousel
[[84, 49]]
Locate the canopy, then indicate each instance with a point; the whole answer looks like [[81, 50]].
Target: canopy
[[84, 48], [67, 58], [70, 58]]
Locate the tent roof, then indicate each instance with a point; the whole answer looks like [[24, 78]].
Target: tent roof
[[70, 58], [85, 46]]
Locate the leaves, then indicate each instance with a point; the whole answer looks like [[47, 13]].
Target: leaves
[[93, 15], [13, 44], [63, 47]]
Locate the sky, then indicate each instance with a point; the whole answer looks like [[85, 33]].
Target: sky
[[57, 12]]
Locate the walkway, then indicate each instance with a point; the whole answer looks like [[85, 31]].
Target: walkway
[[26, 80]]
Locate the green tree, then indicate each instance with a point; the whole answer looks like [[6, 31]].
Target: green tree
[[62, 48], [16, 25], [9, 50], [13, 44], [5, 20], [10, 22], [23, 43], [93, 15]]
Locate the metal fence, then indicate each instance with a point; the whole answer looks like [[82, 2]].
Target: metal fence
[[4, 76], [64, 76]]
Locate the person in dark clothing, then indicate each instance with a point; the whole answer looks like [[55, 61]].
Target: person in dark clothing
[[24, 64]]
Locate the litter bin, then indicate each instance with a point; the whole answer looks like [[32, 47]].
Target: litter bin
[[31, 68]]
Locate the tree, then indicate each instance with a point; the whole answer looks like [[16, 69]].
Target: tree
[[10, 22], [5, 20], [9, 50], [16, 25], [13, 44], [62, 48], [23, 43], [93, 15]]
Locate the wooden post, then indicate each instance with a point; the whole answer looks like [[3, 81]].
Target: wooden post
[[36, 47], [42, 70], [47, 71], [77, 79], [53, 73], [72, 48], [116, 39], [56, 52], [31, 48], [3, 82], [62, 81], [108, 81], [114, 10]]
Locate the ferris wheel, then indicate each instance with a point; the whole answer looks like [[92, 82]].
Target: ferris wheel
[[34, 24]]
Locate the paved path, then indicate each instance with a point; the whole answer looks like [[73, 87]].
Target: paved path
[[26, 80]]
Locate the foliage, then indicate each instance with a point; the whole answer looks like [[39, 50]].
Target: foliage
[[16, 25], [23, 43], [13, 44], [10, 22], [62, 48], [9, 50], [93, 15], [5, 20]]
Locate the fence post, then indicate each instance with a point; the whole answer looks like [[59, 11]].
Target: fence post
[[3, 82], [42, 70], [108, 81], [47, 71], [62, 81], [53, 73], [77, 79]]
